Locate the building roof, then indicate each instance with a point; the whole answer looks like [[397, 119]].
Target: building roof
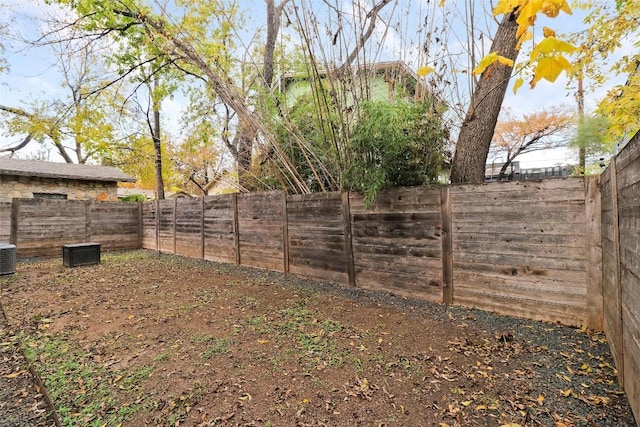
[[38, 168]]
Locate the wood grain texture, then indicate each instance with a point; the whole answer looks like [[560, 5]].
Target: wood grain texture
[[593, 246], [627, 187], [114, 225], [5, 222], [260, 224], [166, 229], [188, 223], [396, 242], [43, 226], [519, 248], [315, 237], [149, 216], [219, 242]]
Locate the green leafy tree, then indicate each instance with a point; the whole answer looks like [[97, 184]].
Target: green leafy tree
[[393, 145], [592, 135], [302, 134], [609, 24], [198, 159], [79, 125]]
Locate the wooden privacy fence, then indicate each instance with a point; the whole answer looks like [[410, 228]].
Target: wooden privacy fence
[[5, 221], [529, 249], [621, 265], [40, 227]]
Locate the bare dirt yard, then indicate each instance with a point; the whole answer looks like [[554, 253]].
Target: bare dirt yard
[[144, 339]]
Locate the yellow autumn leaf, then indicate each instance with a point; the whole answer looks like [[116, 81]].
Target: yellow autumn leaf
[[519, 82], [481, 407], [466, 403], [549, 69], [15, 374], [489, 60], [442, 3], [552, 8], [506, 6], [527, 15], [566, 393], [548, 32], [528, 35], [551, 45], [511, 425], [423, 71]]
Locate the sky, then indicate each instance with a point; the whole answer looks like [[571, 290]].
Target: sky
[[32, 74]]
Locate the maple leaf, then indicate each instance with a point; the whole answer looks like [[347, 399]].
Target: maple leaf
[[550, 68], [551, 45], [491, 59], [507, 6]]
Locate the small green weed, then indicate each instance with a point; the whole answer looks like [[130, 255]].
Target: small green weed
[[217, 347], [161, 357], [82, 390]]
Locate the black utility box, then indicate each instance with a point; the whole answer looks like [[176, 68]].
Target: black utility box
[[80, 254]]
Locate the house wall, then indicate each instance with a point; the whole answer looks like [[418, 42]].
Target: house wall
[[23, 187]]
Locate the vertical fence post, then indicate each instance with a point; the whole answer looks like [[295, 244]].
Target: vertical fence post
[[175, 220], [87, 220], [446, 239], [236, 229], [285, 233], [202, 228], [593, 242], [157, 225], [15, 211], [348, 238], [619, 323], [140, 226]]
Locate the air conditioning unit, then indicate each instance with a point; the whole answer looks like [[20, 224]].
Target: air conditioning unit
[[7, 259], [80, 254]]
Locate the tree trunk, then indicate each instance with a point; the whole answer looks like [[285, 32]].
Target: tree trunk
[[273, 27], [247, 133], [479, 124], [245, 137], [157, 144]]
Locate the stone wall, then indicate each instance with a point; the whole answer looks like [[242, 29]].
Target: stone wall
[[23, 187]]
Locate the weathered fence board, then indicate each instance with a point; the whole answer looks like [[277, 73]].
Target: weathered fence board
[[628, 198], [149, 223], [396, 242], [260, 227], [219, 242], [166, 228], [188, 227], [40, 227], [620, 199], [43, 226], [316, 238], [519, 248], [115, 225], [5, 221]]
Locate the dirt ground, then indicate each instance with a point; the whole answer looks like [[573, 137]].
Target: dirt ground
[[156, 340]]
